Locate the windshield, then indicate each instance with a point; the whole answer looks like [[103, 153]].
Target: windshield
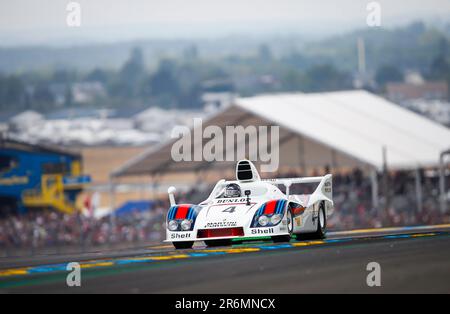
[[255, 192]]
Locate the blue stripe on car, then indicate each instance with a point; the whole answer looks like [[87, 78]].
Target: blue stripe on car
[[188, 213], [283, 202], [175, 210], [172, 213], [262, 209], [278, 206]]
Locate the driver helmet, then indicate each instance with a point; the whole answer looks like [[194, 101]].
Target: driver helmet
[[232, 190]]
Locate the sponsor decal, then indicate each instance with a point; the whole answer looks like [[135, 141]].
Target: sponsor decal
[[180, 235], [298, 210], [231, 200], [221, 224], [262, 231], [327, 187], [14, 180], [298, 221]]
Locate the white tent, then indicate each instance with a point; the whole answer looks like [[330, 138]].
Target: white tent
[[358, 124], [339, 129]]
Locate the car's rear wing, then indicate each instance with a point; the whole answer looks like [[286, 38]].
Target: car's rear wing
[[324, 190], [290, 181]]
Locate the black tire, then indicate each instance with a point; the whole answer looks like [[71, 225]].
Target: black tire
[[286, 238], [321, 232], [183, 245], [215, 243]]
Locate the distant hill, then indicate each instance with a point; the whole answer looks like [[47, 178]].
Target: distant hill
[[88, 57], [78, 57], [412, 47]]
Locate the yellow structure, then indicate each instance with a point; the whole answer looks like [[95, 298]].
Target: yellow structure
[[53, 190], [51, 194]]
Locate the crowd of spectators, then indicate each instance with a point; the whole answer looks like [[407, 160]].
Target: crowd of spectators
[[351, 194], [44, 229], [398, 203]]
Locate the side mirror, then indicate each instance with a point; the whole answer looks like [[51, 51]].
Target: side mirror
[[171, 191], [247, 193]]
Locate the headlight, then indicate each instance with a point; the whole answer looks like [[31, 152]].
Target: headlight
[[173, 225], [186, 225], [263, 220], [275, 220]]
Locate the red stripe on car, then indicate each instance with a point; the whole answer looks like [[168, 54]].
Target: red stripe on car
[[182, 212], [270, 207]]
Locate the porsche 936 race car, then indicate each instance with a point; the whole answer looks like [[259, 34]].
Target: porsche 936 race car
[[250, 207]]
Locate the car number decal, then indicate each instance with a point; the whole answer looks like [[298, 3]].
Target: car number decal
[[230, 209]]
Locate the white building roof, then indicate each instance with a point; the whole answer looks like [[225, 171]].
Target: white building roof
[[357, 123]]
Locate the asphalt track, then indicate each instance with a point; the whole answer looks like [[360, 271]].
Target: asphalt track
[[412, 260]]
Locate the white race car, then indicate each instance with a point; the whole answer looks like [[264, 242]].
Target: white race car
[[251, 207]]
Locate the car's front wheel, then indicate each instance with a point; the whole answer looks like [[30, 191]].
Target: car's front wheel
[[183, 245], [290, 226]]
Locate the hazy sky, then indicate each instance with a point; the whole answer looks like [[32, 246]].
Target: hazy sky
[[44, 21]]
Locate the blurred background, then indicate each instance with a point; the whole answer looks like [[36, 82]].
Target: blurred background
[[86, 108]]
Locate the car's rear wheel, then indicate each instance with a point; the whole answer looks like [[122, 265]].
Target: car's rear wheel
[[183, 245], [290, 226], [214, 243], [321, 223]]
